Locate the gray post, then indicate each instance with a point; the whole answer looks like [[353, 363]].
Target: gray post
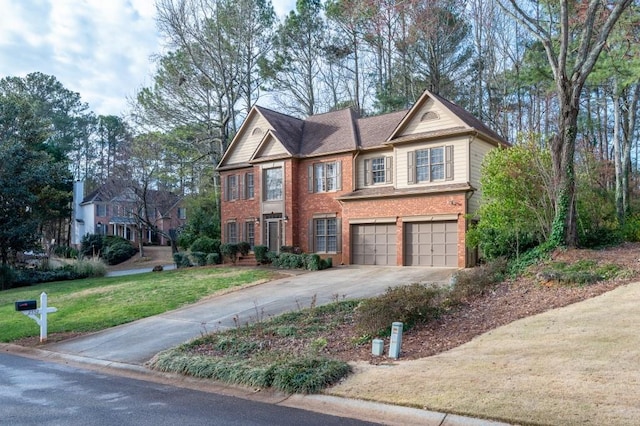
[[396, 340]]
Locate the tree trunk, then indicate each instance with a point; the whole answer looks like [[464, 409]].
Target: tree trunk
[[565, 230], [617, 156]]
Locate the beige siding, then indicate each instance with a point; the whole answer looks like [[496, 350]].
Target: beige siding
[[478, 149], [360, 179], [272, 147], [460, 161], [445, 120], [243, 148]]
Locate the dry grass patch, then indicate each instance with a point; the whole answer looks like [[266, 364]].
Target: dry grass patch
[[574, 365]]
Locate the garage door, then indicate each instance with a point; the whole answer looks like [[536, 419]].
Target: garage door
[[373, 244], [431, 244]]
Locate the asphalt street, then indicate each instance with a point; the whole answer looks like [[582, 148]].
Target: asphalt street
[[36, 393]]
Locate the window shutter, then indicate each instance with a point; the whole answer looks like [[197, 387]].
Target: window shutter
[[310, 178], [338, 175], [338, 235], [241, 179], [311, 237], [448, 159], [388, 169], [367, 172], [226, 188], [411, 168]]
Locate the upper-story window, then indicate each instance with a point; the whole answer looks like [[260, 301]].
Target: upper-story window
[[232, 188], [182, 213], [273, 184], [248, 186], [378, 170], [101, 210], [430, 164], [325, 177]]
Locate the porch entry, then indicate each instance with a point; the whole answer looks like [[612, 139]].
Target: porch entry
[[272, 233]]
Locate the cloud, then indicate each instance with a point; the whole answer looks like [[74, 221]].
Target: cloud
[[100, 49]]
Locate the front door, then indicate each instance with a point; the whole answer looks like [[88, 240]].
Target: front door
[[273, 237]]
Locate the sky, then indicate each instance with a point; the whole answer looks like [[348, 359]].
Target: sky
[[101, 49]]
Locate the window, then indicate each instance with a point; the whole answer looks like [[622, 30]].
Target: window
[[325, 177], [232, 232], [378, 170], [248, 186], [232, 188], [273, 184], [101, 210], [431, 164], [325, 235], [249, 233], [182, 213]]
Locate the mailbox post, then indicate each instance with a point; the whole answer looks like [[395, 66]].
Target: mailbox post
[[30, 309]]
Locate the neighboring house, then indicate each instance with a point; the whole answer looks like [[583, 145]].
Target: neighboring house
[[109, 210], [394, 189]]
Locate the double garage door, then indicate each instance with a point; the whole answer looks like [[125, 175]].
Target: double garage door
[[425, 244]]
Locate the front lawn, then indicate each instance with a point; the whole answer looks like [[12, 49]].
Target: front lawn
[[98, 303]]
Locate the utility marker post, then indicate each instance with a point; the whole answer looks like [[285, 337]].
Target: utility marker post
[[29, 308], [396, 340]]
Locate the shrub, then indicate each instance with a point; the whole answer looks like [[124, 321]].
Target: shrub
[[199, 257], [261, 254], [7, 277], [92, 245], [65, 252], [213, 258], [475, 281], [206, 245], [118, 252], [410, 304], [181, 260], [313, 262], [93, 267], [631, 228], [244, 248], [326, 263], [230, 251], [290, 261], [272, 257]]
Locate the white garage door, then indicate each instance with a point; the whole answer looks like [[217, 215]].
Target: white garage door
[[373, 244], [431, 244]]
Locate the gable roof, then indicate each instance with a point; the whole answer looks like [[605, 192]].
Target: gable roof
[[330, 132], [162, 200], [287, 129], [376, 130], [344, 131], [464, 116]]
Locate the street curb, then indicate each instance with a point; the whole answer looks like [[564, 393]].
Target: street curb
[[386, 414]]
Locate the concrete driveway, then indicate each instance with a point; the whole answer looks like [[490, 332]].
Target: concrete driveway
[[137, 342]]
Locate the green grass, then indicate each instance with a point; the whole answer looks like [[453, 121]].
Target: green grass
[[98, 303]]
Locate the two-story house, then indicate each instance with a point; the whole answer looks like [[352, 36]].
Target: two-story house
[[395, 189], [113, 210]]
